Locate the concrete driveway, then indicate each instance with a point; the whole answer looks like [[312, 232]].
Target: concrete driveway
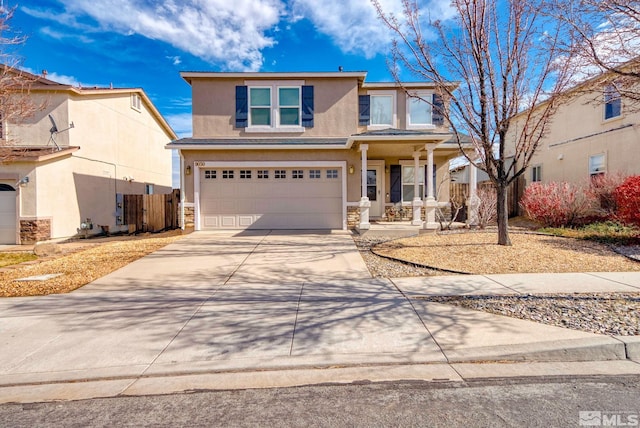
[[216, 301], [217, 310]]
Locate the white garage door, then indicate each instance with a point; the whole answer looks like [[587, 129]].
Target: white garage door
[[7, 214], [271, 198]]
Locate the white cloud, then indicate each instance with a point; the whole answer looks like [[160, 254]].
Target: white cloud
[[181, 124], [354, 25], [230, 32]]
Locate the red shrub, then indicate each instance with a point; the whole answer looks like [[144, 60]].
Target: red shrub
[[557, 204], [627, 197]]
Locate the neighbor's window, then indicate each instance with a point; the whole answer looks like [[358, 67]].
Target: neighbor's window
[[419, 109], [536, 173], [408, 180], [148, 189], [260, 106], [612, 103], [382, 111], [289, 106], [136, 102], [597, 164]]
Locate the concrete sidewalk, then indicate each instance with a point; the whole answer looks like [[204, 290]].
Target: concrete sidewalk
[[222, 310]]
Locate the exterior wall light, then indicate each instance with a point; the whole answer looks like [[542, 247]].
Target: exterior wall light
[[351, 169], [187, 170]]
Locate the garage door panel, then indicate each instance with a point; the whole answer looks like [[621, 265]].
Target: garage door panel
[[258, 203]]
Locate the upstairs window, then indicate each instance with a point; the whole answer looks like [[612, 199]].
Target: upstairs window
[[382, 110], [289, 106], [272, 107], [612, 103], [260, 106], [419, 110]]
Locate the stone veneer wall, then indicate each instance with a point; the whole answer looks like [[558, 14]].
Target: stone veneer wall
[[189, 217], [32, 231], [353, 217]]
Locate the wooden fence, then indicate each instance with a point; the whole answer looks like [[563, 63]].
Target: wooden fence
[[151, 213], [459, 192]]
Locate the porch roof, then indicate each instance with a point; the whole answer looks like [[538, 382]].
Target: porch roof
[[257, 143]]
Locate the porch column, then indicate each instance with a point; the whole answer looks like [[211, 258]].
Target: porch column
[[431, 202], [365, 204], [472, 202], [417, 197]]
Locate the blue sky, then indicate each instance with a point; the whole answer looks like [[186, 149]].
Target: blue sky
[[146, 43]]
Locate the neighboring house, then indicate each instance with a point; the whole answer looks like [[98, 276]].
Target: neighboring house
[[108, 142], [595, 132], [323, 150]]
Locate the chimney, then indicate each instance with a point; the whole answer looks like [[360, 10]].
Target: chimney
[[44, 73]]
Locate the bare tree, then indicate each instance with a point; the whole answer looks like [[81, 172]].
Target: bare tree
[[504, 56], [604, 37], [16, 104]]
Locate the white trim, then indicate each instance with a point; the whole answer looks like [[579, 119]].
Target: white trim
[[379, 166], [279, 75], [267, 164], [261, 147], [262, 129], [182, 189]]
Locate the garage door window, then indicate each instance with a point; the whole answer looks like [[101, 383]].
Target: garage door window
[[263, 174], [332, 173], [297, 173], [210, 174], [314, 173], [245, 173], [280, 173], [227, 173]]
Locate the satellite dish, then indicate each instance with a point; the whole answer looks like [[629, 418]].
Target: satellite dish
[[54, 127]]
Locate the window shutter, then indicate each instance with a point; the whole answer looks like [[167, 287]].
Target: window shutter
[[396, 183], [438, 110], [364, 109], [307, 106], [242, 107]]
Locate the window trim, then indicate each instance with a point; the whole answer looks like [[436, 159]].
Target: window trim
[[411, 96], [279, 106], [250, 107], [394, 109]]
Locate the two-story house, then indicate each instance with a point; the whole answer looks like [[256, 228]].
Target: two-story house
[[323, 150], [596, 131], [64, 166]]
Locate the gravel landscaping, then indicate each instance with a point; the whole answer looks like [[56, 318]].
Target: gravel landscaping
[[476, 252], [79, 263]]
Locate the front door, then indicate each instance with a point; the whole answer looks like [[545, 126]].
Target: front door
[[374, 191]]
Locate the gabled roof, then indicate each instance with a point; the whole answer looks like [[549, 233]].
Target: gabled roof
[[42, 84], [34, 154]]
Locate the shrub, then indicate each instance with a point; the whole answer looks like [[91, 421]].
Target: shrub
[[627, 199], [602, 187], [487, 206], [558, 204]]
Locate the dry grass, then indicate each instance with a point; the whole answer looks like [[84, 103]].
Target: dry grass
[[478, 253], [81, 267], [8, 259]]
